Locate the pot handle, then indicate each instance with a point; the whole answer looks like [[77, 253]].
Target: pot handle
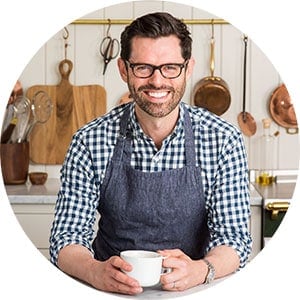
[[212, 57], [212, 50], [291, 130]]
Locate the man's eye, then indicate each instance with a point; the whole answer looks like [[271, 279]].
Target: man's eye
[[142, 68], [171, 68]]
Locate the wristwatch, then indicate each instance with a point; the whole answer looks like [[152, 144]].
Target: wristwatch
[[211, 272]]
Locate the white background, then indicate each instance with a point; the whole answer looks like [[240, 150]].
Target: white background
[[26, 25]]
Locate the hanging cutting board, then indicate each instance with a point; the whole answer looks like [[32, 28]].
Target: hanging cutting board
[[73, 106]]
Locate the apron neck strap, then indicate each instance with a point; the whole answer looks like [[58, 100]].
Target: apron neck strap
[[189, 140], [123, 146]]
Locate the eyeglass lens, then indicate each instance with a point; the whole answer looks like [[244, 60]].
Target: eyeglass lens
[[166, 70]]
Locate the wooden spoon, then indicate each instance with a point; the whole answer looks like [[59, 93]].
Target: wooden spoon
[[245, 119]]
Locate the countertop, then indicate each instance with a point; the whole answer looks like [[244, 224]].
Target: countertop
[[283, 188], [33, 194], [47, 193], [157, 292], [280, 190]]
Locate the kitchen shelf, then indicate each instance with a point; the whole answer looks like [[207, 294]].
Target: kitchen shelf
[[33, 194], [128, 21]]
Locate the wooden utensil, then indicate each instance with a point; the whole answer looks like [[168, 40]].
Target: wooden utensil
[[245, 119], [73, 106]]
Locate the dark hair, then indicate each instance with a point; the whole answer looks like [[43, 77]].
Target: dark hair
[[156, 25]]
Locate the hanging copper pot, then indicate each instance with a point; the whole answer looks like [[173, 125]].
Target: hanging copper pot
[[282, 109], [212, 92]]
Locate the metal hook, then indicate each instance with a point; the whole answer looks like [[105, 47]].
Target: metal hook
[[108, 29], [65, 37], [212, 28], [66, 33]]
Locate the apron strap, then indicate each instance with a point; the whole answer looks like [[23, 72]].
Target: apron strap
[[189, 140], [123, 146], [120, 145]]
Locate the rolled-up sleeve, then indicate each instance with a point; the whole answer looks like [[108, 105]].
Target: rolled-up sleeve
[[76, 206], [229, 200]]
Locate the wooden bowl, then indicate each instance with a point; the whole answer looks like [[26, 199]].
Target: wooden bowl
[[38, 177]]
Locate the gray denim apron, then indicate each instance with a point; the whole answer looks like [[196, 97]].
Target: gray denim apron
[[151, 210]]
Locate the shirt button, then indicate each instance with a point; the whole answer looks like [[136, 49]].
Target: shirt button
[[155, 159]]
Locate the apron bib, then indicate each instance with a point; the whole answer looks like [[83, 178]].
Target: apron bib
[[151, 210]]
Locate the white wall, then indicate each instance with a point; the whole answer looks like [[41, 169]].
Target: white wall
[[83, 50]]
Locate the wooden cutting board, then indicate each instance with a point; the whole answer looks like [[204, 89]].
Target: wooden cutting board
[[73, 106]]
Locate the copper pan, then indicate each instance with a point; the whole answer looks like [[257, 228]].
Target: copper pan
[[212, 92], [125, 98], [282, 110], [245, 119]]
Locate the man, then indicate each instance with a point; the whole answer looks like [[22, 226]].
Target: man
[[163, 175]]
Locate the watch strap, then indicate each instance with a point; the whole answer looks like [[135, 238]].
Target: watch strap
[[211, 272]]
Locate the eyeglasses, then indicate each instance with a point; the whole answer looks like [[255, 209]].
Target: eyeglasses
[[169, 71]]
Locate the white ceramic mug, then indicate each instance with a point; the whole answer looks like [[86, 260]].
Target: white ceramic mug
[[146, 266]]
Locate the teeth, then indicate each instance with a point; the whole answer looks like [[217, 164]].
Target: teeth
[[158, 94]]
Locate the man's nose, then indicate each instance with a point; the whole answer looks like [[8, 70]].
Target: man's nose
[[156, 78]]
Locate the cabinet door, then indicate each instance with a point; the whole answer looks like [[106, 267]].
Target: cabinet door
[[36, 221], [255, 229], [37, 227]]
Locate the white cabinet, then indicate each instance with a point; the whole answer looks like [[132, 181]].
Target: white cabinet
[[36, 221], [34, 209], [256, 229]]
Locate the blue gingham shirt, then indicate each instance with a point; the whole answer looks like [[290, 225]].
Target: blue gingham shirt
[[219, 151]]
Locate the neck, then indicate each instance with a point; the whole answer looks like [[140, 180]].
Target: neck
[[157, 128]]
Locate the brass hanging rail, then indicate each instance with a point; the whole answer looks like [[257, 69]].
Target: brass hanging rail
[[128, 21]]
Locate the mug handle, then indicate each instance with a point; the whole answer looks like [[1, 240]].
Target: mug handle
[[165, 270]]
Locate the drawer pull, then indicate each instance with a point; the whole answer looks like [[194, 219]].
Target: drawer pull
[[276, 207]]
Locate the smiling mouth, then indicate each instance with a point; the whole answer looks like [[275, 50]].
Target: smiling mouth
[[157, 95]]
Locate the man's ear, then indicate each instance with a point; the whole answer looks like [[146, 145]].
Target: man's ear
[[190, 67], [122, 69]]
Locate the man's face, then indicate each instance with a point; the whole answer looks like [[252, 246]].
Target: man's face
[[156, 95]]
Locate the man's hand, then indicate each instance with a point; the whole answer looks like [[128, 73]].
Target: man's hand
[[78, 262], [109, 277], [186, 273]]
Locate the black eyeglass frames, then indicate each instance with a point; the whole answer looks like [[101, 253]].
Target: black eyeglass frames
[[169, 71]]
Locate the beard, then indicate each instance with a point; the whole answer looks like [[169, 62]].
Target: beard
[[157, 110]]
